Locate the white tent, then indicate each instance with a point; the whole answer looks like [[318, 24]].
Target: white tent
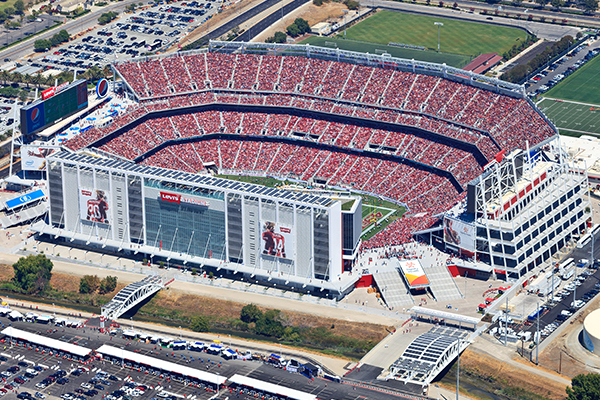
[[14, 314]]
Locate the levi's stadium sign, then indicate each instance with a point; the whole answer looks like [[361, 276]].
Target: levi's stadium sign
[[48, 93], [178, 199]]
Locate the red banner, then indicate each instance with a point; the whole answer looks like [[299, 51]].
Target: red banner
[[48, 93], [170, 197]]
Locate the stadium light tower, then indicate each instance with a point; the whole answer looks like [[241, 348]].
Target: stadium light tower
[[438, 24]]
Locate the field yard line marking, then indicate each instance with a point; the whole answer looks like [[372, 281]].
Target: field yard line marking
[[573, 130], [573, 102]]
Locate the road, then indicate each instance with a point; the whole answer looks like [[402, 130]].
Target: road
[[587, 285], [28, 28], [74, 27]]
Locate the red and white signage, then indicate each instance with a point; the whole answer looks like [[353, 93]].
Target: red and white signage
[[60, 87], [48, 93], [178, 199]]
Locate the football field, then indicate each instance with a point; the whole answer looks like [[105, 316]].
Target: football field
[[572, 118], [458, 37], [581, 86]]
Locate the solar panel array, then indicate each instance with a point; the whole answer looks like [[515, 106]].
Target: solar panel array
[[192, 179], [424, 353]]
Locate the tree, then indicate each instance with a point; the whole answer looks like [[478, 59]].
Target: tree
[[32, 273], [269, 324], [278, 37], [89, 284], [352, 5], [108, 284], [250, 313], [557, 3], [590, 6], [542, 3], [107, 17], [293, 30], [41, 45], [302, 25], [9, 11], [199, 323], [19, 6], [584, 387]]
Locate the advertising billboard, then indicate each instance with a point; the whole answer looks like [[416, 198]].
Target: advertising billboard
[[25, 199], [459, 234], [93, 205], [414, 273], [54, 106], [179, 199], [33, 158], [277, 240]]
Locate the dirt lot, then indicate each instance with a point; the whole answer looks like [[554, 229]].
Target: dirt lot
[[187, 305], [313, 14]]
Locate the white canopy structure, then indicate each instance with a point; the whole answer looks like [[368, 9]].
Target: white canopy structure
[[106, 350], [271, 388], [46, 341]]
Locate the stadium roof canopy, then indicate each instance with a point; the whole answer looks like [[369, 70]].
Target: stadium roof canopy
[[46, 341], [271, 388], [191, 179], [445, 315], [161, 364]]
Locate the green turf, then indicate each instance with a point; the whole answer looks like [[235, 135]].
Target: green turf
[[573, 119], [582, 85], [460, 37], [370, 204], [453, 60]]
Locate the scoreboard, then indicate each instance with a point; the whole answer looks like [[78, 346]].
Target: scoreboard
[[41, 114]]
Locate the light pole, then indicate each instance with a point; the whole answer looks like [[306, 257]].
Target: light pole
[[345, 26], [438, 24]]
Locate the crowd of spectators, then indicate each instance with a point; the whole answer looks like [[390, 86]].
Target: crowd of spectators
[[489, 120]]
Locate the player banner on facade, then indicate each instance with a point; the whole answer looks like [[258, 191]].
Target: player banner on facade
[[414, 273], [277, 240], [93, 205], [459, 234]]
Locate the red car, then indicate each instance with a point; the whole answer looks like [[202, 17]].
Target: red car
[[9, 386]]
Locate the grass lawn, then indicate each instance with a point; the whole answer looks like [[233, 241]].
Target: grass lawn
[[580, 86], [454, 60], [460, 37], [573, 119]]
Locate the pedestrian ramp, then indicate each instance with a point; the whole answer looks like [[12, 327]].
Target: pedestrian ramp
[[442, 285], [393, 289]]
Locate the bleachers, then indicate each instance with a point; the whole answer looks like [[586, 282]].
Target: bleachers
[[449, 109]]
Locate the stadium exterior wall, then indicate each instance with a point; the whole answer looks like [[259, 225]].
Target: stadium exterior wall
[[591, 332], [291, 238]]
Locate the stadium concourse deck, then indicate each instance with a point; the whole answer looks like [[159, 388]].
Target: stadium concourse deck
[[394, 289]]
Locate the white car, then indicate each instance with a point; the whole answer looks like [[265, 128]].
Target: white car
[[40, 385], [86, 385], [577, 303]]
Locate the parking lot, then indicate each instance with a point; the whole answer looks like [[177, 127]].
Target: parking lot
[[562, 68], [103, 378], [131, 35]]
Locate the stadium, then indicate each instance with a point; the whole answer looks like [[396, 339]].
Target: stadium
[[437, 140]]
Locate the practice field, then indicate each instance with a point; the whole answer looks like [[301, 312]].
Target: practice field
[[573, 119], [580, 86], [460, 37], [454, 60]]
